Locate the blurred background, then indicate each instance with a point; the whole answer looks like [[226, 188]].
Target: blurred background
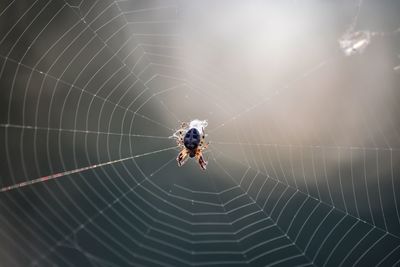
[[303, 161]]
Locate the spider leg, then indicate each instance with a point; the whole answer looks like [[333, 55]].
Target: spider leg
[[204, 146], [204, 133], [182, 157], [184, 125], [180, 143], [200, 160], [178, 135]]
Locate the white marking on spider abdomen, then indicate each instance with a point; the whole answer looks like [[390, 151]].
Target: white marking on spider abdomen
[[198, 125]]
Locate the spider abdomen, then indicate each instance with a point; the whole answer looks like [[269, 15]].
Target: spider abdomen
[[191, 139]]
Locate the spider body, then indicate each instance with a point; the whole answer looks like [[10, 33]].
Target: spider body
[[191, 139]]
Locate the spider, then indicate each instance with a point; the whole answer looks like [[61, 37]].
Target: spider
[[191, 140]]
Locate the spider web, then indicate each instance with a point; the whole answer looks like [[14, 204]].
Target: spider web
[[303, 162]]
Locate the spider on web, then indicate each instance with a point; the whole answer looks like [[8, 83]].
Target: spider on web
[[190, 138]]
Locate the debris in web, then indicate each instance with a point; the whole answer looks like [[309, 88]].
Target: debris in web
[[397, 68], [355, 42]]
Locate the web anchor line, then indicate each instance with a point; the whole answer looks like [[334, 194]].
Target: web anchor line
[[57, 175], [65, 173]]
